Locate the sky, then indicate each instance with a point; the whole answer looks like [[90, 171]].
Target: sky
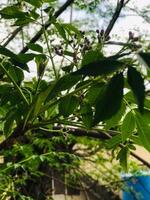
[[132, 22], [122, 27], [124, 24]]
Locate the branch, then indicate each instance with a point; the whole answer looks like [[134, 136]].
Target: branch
[[130, 45], [102, 135], [74, 131], [147, 164], [115, 16], [47, 24], [127, 1], [12, 36], [19, 131]]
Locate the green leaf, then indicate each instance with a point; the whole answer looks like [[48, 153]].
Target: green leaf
[[41, 62], [8, 125], [64, 83], [35, 47], [16, 73], [87, 115], [102, 67], [109, 102], [51, 91], [60, 30], [23, 21], [37, 104], [129, 97], [6, 52], [68, 68], [92, 56], [68, 53], [5, 91], [147, 103], [39, 100], [143, 128], [114, 141], [145, 57], [128, 126], [123, 157], [14, 58], [25, 58], [67, 105], [83, 83], [70, 28], [136, 83], [116, 119], [5, 88], [94, 92], [12, 12], [37, 3], [33, 14], [40, 58], [34, 109], [137, 140], [52, 111]]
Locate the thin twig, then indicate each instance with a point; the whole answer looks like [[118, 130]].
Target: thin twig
[[47, 24], [71, 13], [22, 37], [124, 44], [12, 36], [115, 16], [48, 46]]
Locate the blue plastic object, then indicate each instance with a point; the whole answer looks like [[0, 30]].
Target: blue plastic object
[[137, 187]]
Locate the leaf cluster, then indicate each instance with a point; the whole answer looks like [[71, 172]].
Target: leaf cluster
[[77, 91]]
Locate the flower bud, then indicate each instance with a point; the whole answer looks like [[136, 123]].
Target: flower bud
[[102, 32], [97, 31], [131, 35]]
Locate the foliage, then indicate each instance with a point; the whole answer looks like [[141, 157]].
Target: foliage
[[78, 90]]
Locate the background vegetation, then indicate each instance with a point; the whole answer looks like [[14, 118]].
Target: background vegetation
[[83, 105]]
